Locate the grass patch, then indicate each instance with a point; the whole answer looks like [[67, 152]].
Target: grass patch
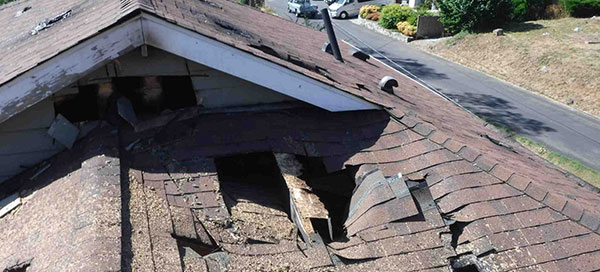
[[2, 2], [568, 164], [573, 166]]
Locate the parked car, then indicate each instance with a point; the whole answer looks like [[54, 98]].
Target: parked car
[[346, 8], [302, 7]]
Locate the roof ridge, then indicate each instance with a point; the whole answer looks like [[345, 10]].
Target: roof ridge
[[556, 202], [129, 6]]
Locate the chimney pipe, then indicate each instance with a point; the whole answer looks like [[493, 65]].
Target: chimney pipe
[[331, 34]]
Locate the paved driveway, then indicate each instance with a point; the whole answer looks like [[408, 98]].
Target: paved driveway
[[563, 129]]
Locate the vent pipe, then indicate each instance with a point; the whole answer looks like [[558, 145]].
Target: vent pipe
[[387, 84], [331, 34]]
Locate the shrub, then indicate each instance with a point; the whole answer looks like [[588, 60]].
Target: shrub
[[393, 14], [368, 9], [412, 19], [529, 9], [582, 8], [554, 11], [373, 16], [458, 15], [406, 28]]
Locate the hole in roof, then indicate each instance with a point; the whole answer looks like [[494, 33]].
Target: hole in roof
[[334, 190], [457, 229], [151, 95], [193, 248], [256, 196]]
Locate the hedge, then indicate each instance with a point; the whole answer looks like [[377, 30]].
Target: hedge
[[529, 9], [582, 8]]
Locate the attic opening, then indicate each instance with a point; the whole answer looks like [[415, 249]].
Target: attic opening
[[151, 95], [334, 190], [83, 103]]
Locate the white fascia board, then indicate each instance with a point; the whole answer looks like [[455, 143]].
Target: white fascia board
[[198, 48], [67, 67]]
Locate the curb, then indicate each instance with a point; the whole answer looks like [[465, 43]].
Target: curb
[[375, 27]]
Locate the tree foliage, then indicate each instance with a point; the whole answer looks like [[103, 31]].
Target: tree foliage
[[529, 9], [582, 8], [474, 15]]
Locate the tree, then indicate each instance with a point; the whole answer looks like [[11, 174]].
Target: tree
[[474, 15]]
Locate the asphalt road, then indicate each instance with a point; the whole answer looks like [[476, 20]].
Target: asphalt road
[[561, 128]]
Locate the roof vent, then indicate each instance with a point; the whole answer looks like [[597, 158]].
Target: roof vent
[[331, 35], [327, 48], [359, 55], [387, 84]]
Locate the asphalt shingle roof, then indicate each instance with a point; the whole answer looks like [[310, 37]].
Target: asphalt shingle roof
[[516, 210]]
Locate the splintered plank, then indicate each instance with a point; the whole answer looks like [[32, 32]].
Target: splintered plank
[[305, 204]]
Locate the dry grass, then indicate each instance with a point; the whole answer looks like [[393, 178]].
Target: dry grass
[[545, 56]]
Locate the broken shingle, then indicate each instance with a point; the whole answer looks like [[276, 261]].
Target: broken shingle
[[377, 201]]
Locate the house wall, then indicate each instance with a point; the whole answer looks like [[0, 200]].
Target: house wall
[[24, 140], [414, 3]]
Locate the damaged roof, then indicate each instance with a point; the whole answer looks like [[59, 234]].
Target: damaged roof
[[461, 195], [424, 208]]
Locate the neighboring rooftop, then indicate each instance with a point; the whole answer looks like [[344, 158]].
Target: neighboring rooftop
[[423, 183]]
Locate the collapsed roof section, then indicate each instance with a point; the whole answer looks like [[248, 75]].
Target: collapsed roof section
[[207, 192]]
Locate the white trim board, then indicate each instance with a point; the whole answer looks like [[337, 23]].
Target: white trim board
[[9, 203], [53, 75], [69, 66]]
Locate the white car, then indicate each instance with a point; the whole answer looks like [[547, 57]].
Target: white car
[[347, 8], [302, 7]]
